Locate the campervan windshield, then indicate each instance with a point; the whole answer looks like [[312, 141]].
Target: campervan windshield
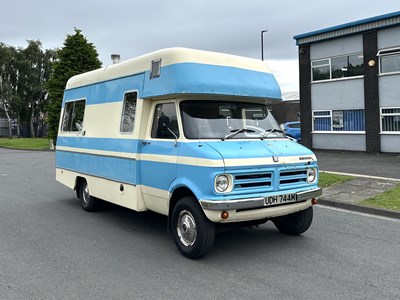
[[227, 120]]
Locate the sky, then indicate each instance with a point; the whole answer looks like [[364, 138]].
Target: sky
[[135, 27]]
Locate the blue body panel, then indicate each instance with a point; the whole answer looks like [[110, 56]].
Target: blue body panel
[[107, 91], [194, 78], [182, 78], [169, 176]]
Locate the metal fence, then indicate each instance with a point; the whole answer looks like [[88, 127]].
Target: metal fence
[[40, 128]]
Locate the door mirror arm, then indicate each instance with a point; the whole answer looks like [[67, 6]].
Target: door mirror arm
[[173, 133]]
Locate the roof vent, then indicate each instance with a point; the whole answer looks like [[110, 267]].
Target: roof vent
[[155, 68], [115, 58]]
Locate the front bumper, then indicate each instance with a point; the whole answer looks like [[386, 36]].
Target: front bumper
[[254, 203]]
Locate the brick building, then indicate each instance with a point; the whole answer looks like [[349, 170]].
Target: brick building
[[350, 85]]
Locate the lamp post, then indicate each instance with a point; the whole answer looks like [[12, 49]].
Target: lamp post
[[262, 43]]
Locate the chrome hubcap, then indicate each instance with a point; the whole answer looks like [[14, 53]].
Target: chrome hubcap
[[186, 228]]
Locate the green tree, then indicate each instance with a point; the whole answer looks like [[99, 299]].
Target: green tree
[[34, 69], [76, 57], [8, 82], [24, 72]]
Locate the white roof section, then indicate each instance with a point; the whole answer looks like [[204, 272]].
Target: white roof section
[[291, 96], [168, 56]]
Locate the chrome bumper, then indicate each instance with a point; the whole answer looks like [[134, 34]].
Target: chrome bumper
[[254, 202]]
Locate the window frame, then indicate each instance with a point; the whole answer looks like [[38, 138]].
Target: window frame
[[382, 115], [329, 64], [123, 112], [323, 65], [153, 117], [384, 53], [320, 117], [330, 115], [73, 111]]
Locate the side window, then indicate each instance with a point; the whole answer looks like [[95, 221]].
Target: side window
[[389, 61], [390, 119], [164, 122], [128, 112], [74, 112]]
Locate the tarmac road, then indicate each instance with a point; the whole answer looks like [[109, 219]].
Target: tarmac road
[[379, 165], [51, 249]]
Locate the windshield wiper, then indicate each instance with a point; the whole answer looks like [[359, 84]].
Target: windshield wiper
[[269, 131], [236, 132]]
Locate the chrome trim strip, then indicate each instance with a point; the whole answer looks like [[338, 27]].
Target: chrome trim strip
[[254, 202]]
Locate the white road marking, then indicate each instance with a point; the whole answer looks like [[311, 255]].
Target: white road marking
[[359, 175], [359, 213]]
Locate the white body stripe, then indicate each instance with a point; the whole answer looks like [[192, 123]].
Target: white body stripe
[[192, 161], [98, 152], [105, 189]]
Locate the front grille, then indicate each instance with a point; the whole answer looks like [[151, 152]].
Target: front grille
[[261, 181], [292, 177], [252, 180]]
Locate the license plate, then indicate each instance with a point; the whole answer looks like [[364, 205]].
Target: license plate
[[280, 199]]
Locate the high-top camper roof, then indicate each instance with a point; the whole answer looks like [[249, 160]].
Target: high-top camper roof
[[188, 71]]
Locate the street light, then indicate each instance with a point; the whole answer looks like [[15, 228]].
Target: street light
[[262, 43]]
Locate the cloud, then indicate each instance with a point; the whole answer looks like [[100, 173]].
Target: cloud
[[132, 28]]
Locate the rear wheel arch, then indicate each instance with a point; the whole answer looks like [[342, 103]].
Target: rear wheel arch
[[78, 183], [88, 202]]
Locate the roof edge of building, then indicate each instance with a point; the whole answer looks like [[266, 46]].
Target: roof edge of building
[[354, 27]]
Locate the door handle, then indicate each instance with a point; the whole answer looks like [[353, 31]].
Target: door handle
[[146, 142]]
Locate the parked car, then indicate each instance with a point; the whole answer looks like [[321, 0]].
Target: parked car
[[292, 129]]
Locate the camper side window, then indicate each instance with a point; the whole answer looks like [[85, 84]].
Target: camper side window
[[165, 123], [74, 112], [128, 112]]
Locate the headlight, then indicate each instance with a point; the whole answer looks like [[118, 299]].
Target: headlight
[[221, 183], [311, 175]]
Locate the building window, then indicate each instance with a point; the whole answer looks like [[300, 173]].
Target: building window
[[321, 69], [390, 119], [337, 67], [74, 112], [339, 120], [322, 120], [128, 112], [389, 61]]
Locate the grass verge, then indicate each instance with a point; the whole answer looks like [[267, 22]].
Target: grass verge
[[25, 143], [387, 200], [327, 179]]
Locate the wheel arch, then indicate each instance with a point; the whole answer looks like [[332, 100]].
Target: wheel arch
[[77, 185], [177, 194]]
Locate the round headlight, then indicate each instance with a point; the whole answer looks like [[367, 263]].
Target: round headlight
[[311, 175], [221, 183]]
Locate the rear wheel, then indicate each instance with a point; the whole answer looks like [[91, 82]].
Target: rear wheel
[[88, 202], [193, 233], [295, 224]]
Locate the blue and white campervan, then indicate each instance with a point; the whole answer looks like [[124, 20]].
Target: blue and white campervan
[[187, 134]]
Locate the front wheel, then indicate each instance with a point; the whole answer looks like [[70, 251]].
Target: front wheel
[[193, 233], [296, 223]]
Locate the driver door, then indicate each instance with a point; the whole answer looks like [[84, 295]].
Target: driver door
[[158, 163]]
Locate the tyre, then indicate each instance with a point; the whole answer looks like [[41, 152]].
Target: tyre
[[193, 233], [88, 202], [295, 224]]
